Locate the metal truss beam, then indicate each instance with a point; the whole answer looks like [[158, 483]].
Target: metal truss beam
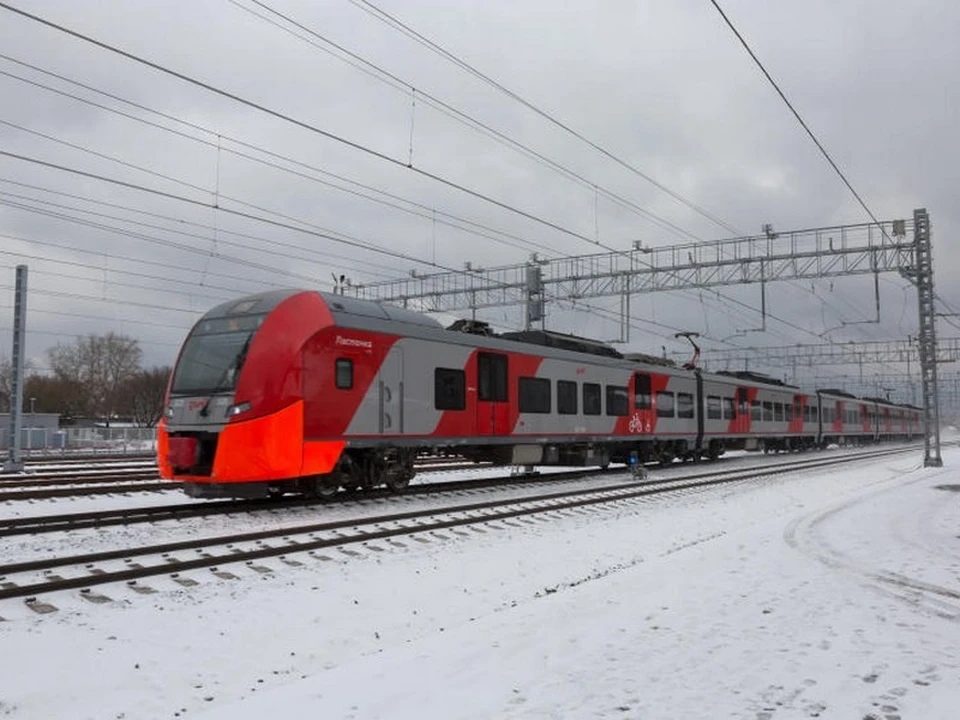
[[802, 254]]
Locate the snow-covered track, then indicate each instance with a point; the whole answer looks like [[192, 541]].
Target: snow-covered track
[[90, 482], [32, 578]]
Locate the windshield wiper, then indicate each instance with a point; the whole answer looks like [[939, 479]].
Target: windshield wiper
[[234, 366]]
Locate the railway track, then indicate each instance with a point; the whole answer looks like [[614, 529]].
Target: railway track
[[69, 483], [30, 579]]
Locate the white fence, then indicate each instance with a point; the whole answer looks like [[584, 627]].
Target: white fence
[[80, 440]]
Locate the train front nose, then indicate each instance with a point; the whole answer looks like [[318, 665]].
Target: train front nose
[[193, 427]]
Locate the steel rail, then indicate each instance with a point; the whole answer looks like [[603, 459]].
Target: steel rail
[[350, 532]]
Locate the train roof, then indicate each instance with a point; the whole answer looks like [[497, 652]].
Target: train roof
[[754, 377], [342, 306], [838, 393], [562, 341]]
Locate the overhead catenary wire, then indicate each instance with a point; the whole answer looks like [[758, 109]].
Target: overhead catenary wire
[[206, 130], [796, 114], [297, 122], [442, 217], [436, 103], [392, 21]]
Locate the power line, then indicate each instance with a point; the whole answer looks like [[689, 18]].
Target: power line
[[188, 223], [294, 121], [796, 114], [431, 213], [464, 118], [242, 143], [385, 17]]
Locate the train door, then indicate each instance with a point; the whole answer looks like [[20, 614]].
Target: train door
[[390, 386], [493, 408]]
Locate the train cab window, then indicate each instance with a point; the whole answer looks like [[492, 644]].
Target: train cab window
[[449, 389], [713, 408], [684, 405], [591, 399], [344, 374], [755, 411], [768, 412], [729, 409], [566, 397], [665, 404], [491, 377], [778, 412], [641, 399], [618, 400], [533, 394]]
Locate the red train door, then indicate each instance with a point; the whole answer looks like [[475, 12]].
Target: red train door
[[493, 409]]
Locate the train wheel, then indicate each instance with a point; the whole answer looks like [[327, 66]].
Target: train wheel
[[321, 487], [396, 483]]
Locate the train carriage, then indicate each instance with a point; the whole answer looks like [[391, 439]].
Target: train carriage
[[309, 392]]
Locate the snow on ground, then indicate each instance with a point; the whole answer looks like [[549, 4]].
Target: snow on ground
[[835, 594]]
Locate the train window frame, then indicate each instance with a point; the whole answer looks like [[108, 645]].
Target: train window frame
[[685, 406], [567, 397], [666, 409], [729, 408], [778, 412], [344, 365], [449, 389], [534, 395], [714, 408], [642, 389], [592, 399], [493, 377], [617, 400], [767, 411]]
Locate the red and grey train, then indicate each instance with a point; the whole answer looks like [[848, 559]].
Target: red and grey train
[[309, 392]]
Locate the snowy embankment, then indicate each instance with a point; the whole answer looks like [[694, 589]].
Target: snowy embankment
[[836, 594]]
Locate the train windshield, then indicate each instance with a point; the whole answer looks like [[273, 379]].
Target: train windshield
[[213, 355]]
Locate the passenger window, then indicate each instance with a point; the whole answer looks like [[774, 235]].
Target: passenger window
[[449, 389], [534, 394], [665, 404], [618, 400], [729, 409], [768, 412], [713, 408], [591, 399], [344, 374], [755, 412], [684, 405], [566, 397], [778, 412]]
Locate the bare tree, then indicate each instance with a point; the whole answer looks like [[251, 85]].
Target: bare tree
[[100, 364], [144, 395]]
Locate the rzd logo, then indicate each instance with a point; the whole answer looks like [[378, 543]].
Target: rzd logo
[[637, 425]]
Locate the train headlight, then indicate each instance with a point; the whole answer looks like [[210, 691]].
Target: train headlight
[[168, 412], [237, 409]]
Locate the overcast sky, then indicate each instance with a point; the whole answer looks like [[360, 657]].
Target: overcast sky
[[665, 86]]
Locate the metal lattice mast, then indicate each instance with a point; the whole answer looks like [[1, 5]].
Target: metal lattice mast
[[14, 461], [923, 278]]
